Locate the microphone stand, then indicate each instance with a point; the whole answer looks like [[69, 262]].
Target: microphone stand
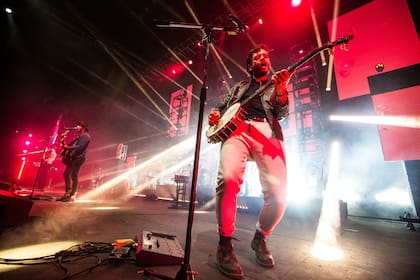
[[185, 272], [41, 165]]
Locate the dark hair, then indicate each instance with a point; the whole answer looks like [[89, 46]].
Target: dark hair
[[251, 53], [84, 125]]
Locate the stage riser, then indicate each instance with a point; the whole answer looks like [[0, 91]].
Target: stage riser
[[14, 210]]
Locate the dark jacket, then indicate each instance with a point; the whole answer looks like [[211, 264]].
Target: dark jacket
[[78, 147], [274, 112]]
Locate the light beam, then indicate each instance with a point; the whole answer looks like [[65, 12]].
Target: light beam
[[402, 121], [325, 244]]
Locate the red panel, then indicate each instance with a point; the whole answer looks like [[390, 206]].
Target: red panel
[[179, 112], [130, 162], [399, 143], [289, 124], [290, 129], [291, 98], [384, 33]]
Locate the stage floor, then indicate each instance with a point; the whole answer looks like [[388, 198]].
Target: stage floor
[[372, 248]]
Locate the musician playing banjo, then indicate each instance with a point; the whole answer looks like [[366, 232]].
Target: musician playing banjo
[[258, 137], [73, 156]]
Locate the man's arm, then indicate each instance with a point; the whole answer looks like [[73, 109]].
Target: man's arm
[[84, 140], [279, 96], [216, 112]]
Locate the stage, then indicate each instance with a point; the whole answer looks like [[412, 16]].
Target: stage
[[372, 248]]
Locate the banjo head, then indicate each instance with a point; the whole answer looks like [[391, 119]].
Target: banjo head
[[227, 123]]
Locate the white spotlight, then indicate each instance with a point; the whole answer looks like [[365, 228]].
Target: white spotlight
[[8, 10], [325, 245], [393, 195]]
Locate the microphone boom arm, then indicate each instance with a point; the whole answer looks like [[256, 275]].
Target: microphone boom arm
[[174, 24]]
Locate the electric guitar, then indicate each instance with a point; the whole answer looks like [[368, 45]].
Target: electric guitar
[[66, 153], [236, 113]]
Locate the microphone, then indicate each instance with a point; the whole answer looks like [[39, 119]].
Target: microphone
[[242, 28], [70, 128]]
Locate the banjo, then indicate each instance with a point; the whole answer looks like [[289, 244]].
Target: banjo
[[236, 114]]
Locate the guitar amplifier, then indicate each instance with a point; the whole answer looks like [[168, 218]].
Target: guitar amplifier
[[158, 249]]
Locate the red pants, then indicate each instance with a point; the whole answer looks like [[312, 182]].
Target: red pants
[[252, 140]]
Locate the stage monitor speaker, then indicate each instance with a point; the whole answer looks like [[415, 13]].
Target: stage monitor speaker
[[14, 209], [158, 249]]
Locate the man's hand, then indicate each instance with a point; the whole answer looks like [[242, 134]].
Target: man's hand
[[65, 133], [214, 117], [281, 79]]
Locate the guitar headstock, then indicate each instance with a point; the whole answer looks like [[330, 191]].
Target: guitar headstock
[[343, 40], [64, 134]]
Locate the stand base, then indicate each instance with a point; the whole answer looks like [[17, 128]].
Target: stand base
[[179, 205], [43, 197], [157, 275], [185, 273], [410, 222]]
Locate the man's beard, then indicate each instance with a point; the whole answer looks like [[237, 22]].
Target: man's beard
[[258, 72]]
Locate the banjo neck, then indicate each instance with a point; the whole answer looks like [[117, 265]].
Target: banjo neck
[[292, 68], [236, 113]]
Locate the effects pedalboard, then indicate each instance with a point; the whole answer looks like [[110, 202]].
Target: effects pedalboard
[[120, 253], [122, 248]]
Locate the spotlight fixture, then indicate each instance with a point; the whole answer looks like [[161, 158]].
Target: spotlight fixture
[[379, 67], [296, 3]]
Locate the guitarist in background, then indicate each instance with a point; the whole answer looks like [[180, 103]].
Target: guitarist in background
[[258, 138], [73, 156]]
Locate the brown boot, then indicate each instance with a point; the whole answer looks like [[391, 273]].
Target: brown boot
[[259, 245], [226, 260]]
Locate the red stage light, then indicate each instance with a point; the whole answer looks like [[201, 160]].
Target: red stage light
[[27, 142], [190, 62], [260, 21], [296, 3], [22, 166]]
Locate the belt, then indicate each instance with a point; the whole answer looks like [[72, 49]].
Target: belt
[[257, 119]]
